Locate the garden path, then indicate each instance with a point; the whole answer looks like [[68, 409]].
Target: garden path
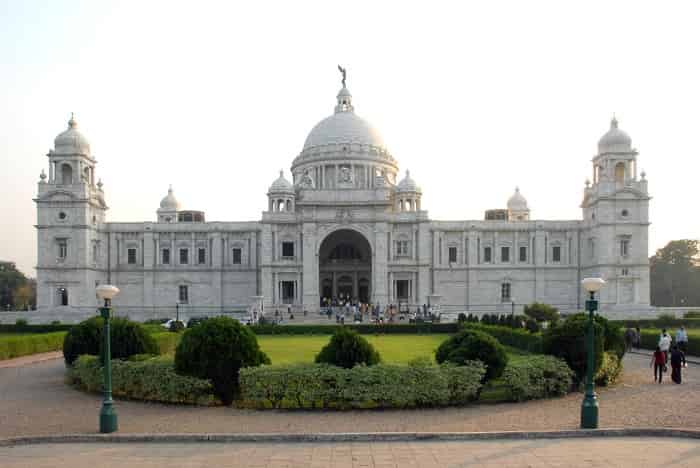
[[607, 452], [34, 400]]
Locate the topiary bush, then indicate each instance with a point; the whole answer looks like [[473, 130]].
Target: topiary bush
[[462, 317], [542, 312], [567, 340], [126, 339], [473, 345], [347, 349], [216, 349]]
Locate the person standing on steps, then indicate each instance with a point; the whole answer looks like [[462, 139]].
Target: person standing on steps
[[658, 362]]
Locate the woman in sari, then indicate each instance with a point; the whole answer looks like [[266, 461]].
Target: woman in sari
[[677, 360]]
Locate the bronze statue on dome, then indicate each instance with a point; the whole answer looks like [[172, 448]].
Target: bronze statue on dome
[[344, 73]]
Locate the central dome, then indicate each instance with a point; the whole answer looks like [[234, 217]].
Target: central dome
[[343, 151], [344, 127]]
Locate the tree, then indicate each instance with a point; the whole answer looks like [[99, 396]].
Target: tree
[[22, 296], [675, 274], [10, 279]]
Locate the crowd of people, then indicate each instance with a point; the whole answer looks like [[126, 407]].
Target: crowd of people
[[346, 308]]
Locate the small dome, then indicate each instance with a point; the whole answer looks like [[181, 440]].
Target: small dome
[[71, 141], [408, 184], [517, 202], [281, 185], [170, 203], [615, 140]]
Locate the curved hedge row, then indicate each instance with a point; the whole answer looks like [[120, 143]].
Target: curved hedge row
[[148, 380], [380, 386]]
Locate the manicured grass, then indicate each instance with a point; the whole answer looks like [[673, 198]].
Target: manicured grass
[[398, 349], [17, 344]]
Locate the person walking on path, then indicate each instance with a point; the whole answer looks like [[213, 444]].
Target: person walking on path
[[682, 339], [639, 338], [677, 360], [630, 338], [657, 361], [665, 344]]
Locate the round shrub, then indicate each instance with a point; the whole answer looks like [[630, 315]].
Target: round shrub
[[542, 312], [567, 340], [462, 317], [126, 339], [473, 345], [346, 349], [216, 349]]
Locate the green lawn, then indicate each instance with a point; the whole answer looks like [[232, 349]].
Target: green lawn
[[393, 348]]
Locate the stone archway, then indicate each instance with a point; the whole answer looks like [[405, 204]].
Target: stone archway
[[345, 266]]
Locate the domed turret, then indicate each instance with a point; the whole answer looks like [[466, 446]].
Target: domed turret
[[281, 185], [408, 185], [281, 195], [169, 206], [408, 194], [517, 207], [615, 140], [71, 141]]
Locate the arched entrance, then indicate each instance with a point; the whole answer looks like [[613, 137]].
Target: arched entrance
[[345, 267]]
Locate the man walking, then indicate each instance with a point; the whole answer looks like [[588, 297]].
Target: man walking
[[665, 344], [682, 339]]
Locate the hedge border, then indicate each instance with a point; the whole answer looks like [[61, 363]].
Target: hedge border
[[25, 345], [361, 328]]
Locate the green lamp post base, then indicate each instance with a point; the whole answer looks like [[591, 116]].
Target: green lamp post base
[[589, 412], [108, 419]]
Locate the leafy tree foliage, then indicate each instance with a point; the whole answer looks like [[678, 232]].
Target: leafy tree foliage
[[675, 274], [16, 290], [542, 312]]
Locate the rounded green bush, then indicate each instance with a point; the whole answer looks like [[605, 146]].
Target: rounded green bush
[[346, 349], [126, 339], [216, 349], [567, 340], [473, 345]]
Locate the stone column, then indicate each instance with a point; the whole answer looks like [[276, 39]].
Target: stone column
[[379, 264], [310, 268]]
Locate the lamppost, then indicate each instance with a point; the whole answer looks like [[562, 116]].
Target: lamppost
[[589, 407], [108, 417], [512, 306]]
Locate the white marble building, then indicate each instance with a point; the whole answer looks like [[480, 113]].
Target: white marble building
[[345, 225]]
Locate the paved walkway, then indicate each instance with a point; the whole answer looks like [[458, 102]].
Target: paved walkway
[[598, 452], [34, 400]]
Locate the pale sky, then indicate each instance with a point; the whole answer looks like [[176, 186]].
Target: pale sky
[[473, 97]]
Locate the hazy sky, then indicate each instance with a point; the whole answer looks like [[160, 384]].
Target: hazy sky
[[473, 97]]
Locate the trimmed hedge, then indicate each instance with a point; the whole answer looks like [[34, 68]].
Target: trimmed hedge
[[567, 340], [516, 338], [23, 345], [650, 340], [363, 329], [610, 369], [659, 323], [537, 377], [43, 328], [148, 380], [380, 386]]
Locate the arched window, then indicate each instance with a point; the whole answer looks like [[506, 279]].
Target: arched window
[[620, 172], [62, 294], [66, 174]]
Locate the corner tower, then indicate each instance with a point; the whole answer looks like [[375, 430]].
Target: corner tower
[[72, 254], [615, 206]]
